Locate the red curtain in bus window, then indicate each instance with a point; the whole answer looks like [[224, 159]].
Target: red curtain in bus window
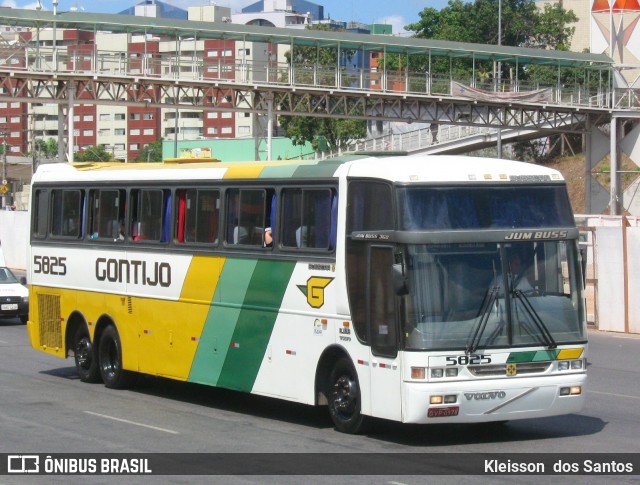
[[182, 210]]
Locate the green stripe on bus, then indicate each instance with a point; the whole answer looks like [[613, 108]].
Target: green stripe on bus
[[278, 172], [255, 324], [221, 320], [545, 355], [532, 356], [323, 169]]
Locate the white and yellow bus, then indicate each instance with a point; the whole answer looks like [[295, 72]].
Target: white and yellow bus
[[416, 289]]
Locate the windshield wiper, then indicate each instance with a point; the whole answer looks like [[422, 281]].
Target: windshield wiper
[[485, 311], [535, 318]]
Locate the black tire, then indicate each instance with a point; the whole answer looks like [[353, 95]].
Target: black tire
[[24, 319], [110, 360], [344, 398], [85, 357]]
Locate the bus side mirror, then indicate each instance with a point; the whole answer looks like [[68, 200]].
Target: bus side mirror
[[399, 279], [23, 281]]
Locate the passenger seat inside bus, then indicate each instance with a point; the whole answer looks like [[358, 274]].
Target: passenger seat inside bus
[[240, 235]]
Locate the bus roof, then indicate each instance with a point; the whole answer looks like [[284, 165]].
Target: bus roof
[[403, 169], [451, 168]]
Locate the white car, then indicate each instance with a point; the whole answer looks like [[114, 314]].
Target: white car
[[14, 296]]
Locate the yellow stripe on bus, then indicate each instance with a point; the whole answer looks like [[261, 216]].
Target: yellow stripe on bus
[[245, 171], [566, 354], [202, 279]]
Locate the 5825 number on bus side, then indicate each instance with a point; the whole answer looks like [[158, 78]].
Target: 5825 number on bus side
[[52, 265]]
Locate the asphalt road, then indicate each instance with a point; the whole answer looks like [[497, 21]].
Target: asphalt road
[[44, 408]]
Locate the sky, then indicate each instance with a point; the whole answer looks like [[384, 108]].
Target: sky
[[397, 13]]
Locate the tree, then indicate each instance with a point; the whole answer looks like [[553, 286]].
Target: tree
[[302, 128], [95, 153], [151, 153], [523, 25], [46, 149]]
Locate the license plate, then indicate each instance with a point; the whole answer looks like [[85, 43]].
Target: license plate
[[9, 306], [443, 412]]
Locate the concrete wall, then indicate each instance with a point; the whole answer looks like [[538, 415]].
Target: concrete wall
[[14, 235], [615, 270], [239, 149]]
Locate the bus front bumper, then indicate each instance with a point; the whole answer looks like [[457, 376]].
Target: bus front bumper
[[493, 399]]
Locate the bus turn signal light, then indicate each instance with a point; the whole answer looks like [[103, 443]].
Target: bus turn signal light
[[418, 373]]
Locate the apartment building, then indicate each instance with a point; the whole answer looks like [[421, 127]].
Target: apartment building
[[125, 130]]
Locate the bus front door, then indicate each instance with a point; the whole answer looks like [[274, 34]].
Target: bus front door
[[386, 371]]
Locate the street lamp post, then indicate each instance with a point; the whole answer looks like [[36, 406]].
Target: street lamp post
[[38, 8], [4, 169], [55, 34], [499, 73]]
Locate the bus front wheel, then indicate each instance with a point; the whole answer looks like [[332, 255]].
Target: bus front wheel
[[110, 359], [344, 398], [85, 357]]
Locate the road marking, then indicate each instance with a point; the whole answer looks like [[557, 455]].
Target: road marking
[[614, 394], [132, 422]]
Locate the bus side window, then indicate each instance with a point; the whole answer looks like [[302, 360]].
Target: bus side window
[[40, 214], [67, 210], [308, 215], [197, 218], [150, 215], [246, 216], [107, 214]]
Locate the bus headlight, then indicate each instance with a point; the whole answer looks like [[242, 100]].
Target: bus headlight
[[571, 391], [437, 373], [447, 399], [451, 372], [571, 364]]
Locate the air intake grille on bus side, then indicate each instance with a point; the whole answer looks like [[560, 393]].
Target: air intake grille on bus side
[[49, 320]]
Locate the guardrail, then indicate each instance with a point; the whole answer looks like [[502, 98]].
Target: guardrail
[[196, 67]]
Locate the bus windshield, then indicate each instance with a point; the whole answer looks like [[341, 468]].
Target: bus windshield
[[486, 295], [459, 208]]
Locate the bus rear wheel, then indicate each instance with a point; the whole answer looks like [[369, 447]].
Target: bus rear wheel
[[345, 399], [110, 359], [85, 357]]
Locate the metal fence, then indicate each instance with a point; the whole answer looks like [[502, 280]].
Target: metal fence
[[195, 67]]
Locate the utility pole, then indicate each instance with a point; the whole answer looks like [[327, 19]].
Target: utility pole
[[4, 155], [34, 155], [4, 187]]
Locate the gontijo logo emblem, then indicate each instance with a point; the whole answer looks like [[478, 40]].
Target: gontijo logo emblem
[[314, 290]]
